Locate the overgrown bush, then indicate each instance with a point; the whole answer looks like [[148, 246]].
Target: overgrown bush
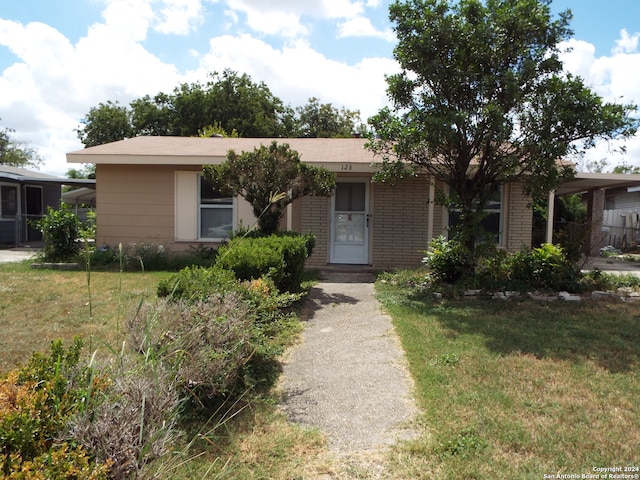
[[544, 268], [38, 400], [60, 462], [249, 323], [449, 260], [197, 283], [206, 343], [60, 229], [146, 256], [135, 423]]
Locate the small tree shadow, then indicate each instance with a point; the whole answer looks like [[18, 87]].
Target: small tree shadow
[[319, 298], [607, 334]]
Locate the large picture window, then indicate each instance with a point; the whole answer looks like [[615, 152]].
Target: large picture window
[[8, 201], [216, 212], [492, 222]]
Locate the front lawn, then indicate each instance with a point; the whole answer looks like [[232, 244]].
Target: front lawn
[[39, 306], [518, 389]]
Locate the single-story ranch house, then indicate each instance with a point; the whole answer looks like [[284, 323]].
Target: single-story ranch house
[[150, 189]]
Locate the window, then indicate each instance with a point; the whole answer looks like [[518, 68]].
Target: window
[[491, 223], [216, 212], [8, 201]]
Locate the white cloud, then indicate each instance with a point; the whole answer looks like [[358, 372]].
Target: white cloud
[[297, 72], [614, 78], [180, 16], [362, 27], [269, 21], [289, 17], [54, 83], [626, 43]]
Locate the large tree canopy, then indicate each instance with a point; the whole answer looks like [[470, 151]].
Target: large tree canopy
[[269, 178], [482, 99], [231, 102]]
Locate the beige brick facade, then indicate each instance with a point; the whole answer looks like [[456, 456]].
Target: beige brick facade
[[519, 218], [400, 223], [152, 197]]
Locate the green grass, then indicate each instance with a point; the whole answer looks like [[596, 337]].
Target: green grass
[[38, 306], [516, 390], [508, 390]]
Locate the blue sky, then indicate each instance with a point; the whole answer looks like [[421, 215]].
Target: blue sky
[[60, 58]]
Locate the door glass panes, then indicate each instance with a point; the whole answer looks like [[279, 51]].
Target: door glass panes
[[349, 213], [350, 197]]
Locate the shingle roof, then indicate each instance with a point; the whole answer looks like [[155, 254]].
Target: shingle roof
[[198, 151]]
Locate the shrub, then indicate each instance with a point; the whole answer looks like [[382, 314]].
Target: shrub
[[60, 229], [145, 256], [545, 268], [449, 260], [197, 283], [60, 462], [205, 343], [282, 257], [135, 423], [251, 258], [38, 400]]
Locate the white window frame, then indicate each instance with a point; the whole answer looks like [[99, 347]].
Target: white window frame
[[213, 206], [502, 213]]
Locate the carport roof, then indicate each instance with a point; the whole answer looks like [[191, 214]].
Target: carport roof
[[584, 182]]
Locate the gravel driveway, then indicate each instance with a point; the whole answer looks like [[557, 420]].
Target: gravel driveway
[[347, 377]]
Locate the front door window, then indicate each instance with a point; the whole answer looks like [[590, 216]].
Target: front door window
[[349, 236]]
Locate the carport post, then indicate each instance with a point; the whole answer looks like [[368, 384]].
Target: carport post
[[595, 217], [550, 214]]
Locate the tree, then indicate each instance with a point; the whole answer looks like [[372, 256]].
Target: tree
[[232, 101], [87, 171], [17, 153], [269, 178], [108, 122], [318, 120], [626, 168], [482, 99]]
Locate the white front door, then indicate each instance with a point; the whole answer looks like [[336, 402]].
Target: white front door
[[349, 223]]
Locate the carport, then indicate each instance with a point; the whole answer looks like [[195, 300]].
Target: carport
[[594, 186]]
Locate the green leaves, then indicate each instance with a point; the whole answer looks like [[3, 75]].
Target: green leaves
[[482, 98], [269, 178]]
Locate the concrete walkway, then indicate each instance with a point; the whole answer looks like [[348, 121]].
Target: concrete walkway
[[16, 254], [348, 377]]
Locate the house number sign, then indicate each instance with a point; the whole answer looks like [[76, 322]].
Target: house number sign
[[347, 167]]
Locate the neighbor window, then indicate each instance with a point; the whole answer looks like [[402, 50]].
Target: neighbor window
[[216, 212], [491, 223], [8, 201]]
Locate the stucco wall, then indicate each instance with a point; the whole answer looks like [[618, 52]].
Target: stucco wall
[[135, 204]]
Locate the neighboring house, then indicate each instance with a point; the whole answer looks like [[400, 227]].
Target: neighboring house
[[150, 189], [24, 198]]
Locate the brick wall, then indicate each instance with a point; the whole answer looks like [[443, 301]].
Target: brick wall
[[519, 218], [399, 223], [314, 218]]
